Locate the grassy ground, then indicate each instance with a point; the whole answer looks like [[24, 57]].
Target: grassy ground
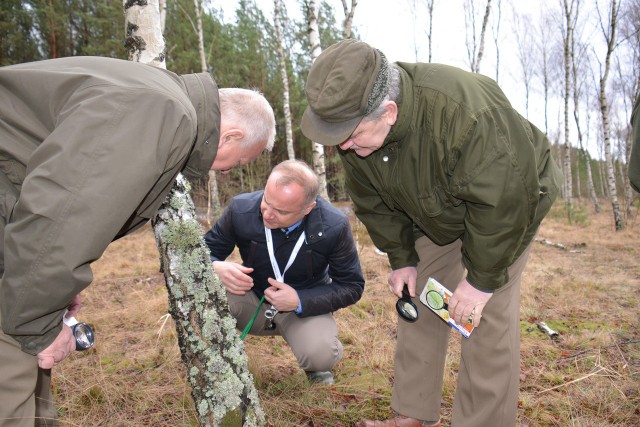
[[588, 291]]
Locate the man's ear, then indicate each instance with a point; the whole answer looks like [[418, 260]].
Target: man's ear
[[309, 207], [231, 135], [391, 112]]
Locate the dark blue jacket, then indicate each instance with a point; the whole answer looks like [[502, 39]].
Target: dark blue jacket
[[326, 273]]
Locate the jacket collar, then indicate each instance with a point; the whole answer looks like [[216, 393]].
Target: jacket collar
[[203, 93], [405, 109]]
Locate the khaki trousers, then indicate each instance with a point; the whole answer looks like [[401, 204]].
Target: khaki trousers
[[488, 378], [314, 340], [25, 393]]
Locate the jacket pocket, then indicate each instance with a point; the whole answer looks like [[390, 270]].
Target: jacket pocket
[[432, 203], [8, 199]]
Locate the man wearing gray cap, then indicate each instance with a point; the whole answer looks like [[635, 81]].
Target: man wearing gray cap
[[452, 183]]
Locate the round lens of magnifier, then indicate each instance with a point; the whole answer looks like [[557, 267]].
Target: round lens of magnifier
[[84, 336], [406, 308], [435, 300]]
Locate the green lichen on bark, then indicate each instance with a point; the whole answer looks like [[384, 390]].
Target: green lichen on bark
[[222, 386]]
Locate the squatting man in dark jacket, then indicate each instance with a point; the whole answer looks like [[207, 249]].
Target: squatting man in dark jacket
[[447, 177], [298, 253], [89, 149]]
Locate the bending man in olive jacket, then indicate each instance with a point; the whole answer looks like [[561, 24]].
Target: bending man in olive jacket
[[89, 149], [298, 252], [446, 176]]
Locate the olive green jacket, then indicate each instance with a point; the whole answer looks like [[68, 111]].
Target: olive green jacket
[[89, 149], [459, 163]]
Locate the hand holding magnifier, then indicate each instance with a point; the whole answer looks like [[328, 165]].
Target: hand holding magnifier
[[406, 308]]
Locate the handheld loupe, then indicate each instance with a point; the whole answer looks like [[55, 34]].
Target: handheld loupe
[[406, 308]]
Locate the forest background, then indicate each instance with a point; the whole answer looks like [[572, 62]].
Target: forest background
[[575, 64], [589, 377]]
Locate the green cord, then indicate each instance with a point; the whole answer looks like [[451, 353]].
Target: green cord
[[250, 324]]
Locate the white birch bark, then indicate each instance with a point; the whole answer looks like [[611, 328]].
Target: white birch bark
[[313, 9], [570, 8], [475, 46], [348, 17], [221, 385], [277, 18], [609, 32]]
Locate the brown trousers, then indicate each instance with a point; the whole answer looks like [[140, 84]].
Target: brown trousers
[[25, 394], [488, 378], [313, 340]]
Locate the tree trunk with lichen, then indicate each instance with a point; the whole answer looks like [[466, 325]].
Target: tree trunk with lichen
[[221, 385]]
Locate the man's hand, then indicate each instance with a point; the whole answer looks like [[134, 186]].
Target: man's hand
[[398, 278], [282, 296], [234, 276], [61, 347], [467, 301]]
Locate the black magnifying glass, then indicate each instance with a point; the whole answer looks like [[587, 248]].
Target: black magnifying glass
[[82, 332], [406, 308], [435, 300]]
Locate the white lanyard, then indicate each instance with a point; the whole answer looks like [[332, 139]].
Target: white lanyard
[[292, 257]]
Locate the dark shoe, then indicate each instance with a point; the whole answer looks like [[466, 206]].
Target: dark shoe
[[398, 421], [320, 377]]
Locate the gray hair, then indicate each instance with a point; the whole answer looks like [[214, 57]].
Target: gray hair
[[393, 94], [297, 171], [250, 111]]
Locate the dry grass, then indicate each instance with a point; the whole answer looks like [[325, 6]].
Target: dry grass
[[588, 377]]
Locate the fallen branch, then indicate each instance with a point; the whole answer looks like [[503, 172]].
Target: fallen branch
[[574, 381], [617, 344], [569, 248]]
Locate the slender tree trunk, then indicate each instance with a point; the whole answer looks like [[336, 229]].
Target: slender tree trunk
[[475, 48], [610, 34], [313, 9], [348, 18], [277, 13], [496, 38], [430, 4], [566, 164], [221, 384], [592, 189], [214, 206]]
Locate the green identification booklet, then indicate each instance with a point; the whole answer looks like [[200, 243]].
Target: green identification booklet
[[436, 297]]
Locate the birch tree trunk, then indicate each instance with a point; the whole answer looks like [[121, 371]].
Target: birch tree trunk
[[348, 18], [577, 94], [475, 48], [313, 9], [496, 37], [277, 13], [609, 32], [569, 7], [214, 208], [217, 368]]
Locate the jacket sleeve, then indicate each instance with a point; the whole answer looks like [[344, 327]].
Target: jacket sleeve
[[84, 181], [498, 181], [221, 239], [391, 230], [347, 281]]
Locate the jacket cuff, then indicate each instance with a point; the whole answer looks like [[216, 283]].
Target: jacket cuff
[[487, 281], [34, 344]]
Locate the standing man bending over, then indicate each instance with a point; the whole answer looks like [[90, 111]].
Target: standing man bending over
[[89, 149], [447, 177], [298, 253]]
